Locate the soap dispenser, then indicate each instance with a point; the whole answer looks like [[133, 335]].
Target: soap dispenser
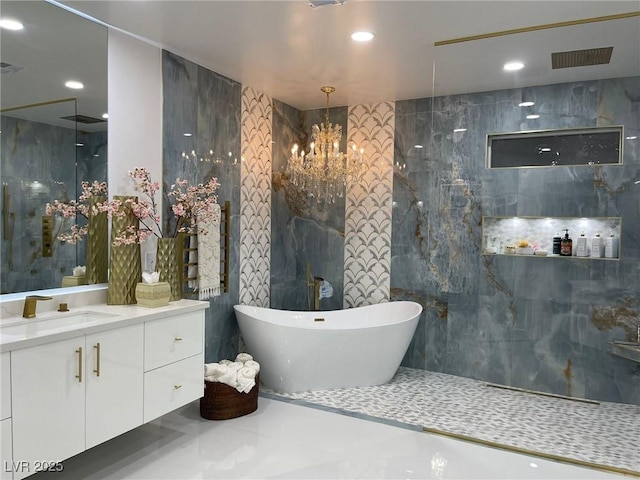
[[611, 246], [566, 245], [597, 246], [581, 246]]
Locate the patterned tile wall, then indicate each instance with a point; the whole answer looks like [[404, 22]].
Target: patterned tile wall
[[255, 198], [367, 249]]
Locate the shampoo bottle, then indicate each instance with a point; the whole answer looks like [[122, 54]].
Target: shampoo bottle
[[581, 246], [597, 246], [566, 245], [611, 246], [557, 240]]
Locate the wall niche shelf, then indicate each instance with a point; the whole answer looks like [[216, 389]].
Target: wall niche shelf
[[499, 233]]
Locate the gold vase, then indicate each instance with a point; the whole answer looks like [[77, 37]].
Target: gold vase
[[125, 266], [168, 266], [97, 258]]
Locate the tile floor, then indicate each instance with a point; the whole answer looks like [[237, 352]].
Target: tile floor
[[605, 434], [288, 441]]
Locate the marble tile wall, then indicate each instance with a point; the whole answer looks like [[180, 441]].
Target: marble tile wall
[[367, 254], [39, 166], [537, 325], [303, 231], [255, 198], [207, 105]]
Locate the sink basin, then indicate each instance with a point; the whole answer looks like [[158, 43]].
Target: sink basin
[[59, 321]]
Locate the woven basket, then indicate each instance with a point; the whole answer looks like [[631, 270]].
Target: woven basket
[[221, 402]]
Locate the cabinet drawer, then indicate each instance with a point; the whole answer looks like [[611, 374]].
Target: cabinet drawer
[[5, 386], [173, 386], [172, 339]]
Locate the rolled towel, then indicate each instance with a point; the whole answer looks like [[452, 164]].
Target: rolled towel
[[211, 369], [225, 362], [246, 379], [253, 364], [236, 366], [243, 357], [224, 374]]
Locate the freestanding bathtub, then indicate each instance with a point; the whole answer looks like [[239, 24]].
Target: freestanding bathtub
[[302, 351]]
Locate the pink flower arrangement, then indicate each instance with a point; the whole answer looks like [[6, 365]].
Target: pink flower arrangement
[[190, 204], [73, 208]]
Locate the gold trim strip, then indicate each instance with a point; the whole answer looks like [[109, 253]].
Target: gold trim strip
[[534, 28], [39, 104], [534, 453], [544, 394]]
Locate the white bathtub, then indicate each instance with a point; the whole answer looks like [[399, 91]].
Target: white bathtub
[[357, 347]]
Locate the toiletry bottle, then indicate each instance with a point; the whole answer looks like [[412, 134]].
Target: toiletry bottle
[[557, 240], [566, 244], [581, 246], [611, 246], [597, 244]]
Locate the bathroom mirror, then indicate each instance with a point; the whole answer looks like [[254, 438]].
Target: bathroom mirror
[[52, 137]]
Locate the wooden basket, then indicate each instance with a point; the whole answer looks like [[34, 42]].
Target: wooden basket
[[221, 402]]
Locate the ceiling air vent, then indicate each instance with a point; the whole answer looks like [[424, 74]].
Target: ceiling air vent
[[324, 3], [83, 119], [581, 58]]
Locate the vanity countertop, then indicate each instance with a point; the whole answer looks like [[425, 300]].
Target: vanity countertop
[[17, 332]]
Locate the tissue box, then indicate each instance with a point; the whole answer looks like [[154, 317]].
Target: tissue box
[[73, 281], [153, 294]]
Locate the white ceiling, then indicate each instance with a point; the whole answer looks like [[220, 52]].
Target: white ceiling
[[289, 50]]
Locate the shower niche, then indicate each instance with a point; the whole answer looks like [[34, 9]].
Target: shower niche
[[534, 236]]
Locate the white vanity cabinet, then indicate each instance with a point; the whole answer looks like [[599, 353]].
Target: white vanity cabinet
[[75, 394], [48, 392], [70, 395], [6, 455]]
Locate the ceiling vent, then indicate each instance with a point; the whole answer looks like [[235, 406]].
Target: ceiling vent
[[581, 58], [83, 119], [325, 3], [8, 68]]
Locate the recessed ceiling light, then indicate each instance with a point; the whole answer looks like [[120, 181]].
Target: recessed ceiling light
[[105, 115], [513, 66], [79, 144], [533, 117], [362, 36], [456, 130], [417, 146], [74, 85], [526, 104], [633, 137], [187, 134], [11, 24]]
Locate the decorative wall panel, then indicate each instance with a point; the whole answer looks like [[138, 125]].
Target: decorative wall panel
[[367, 249], [255, 198]]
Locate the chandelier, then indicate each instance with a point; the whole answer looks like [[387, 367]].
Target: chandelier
[[325, 171]]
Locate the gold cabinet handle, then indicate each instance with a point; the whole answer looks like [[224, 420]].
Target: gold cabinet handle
[[177, 386], [178, 339], [97, 369], [79, 375]]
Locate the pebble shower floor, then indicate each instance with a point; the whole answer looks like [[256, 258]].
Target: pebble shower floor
[[605, 434]]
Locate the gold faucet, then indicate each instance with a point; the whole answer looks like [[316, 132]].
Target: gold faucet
[[30, 301]]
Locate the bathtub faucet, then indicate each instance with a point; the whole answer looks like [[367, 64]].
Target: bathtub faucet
[[313, 289]]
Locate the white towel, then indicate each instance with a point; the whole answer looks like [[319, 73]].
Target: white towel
[[253, 364], [243, 357], [211, 369], [209, 256], [236, 366], [223, 374], [246, 379], [226, 361]]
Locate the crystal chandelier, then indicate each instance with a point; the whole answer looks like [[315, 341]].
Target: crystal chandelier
[[325, 171]]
